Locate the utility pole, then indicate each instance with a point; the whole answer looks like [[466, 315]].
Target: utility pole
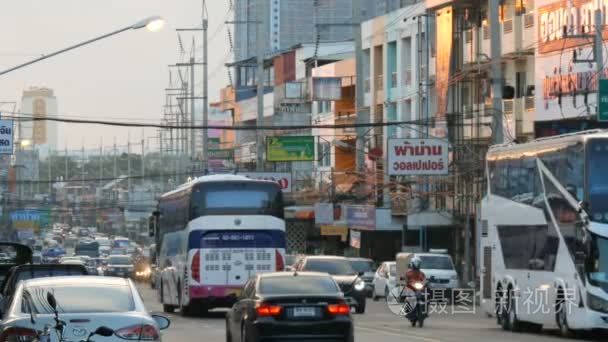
[[205, 154], [192, 110], [129, 166], [496, 71], [260, 83], [362, 113], [83, 170], [50, 161], [599, 47], [67, 175], [115, 161], [143, 162]]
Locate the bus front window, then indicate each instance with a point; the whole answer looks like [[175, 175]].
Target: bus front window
[[597, 266], [597, 193]]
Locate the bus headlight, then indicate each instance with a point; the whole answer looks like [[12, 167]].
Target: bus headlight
[[360, 285], [596, 303]]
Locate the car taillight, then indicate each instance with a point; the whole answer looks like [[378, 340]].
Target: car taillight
[[145, 332], [266, 310], [196, 266], [18, 334], [280, 265], [338, 309]]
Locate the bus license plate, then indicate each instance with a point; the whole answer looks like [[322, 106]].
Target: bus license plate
[[304, 312]]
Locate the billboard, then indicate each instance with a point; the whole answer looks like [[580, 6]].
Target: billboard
[[290, 148], [362, 217], [418, 157], [28, 219], [282, 178], [562, 86], [6, 136]]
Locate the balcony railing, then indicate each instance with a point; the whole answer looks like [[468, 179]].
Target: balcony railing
[[508, 26]]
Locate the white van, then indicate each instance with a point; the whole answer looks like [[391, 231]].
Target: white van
[[437, 267]]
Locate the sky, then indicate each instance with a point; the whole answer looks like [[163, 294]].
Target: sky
[[120, 78]]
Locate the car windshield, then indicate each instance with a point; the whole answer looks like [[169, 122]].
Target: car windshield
[[331, 266], [49, 272], [78, 299], [436, 263], [597, 183], [597, 262], [119, 261], [301, 284], [363, 265]]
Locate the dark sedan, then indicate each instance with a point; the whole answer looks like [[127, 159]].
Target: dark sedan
[[290, 306]]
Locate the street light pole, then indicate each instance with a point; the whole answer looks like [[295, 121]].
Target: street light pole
[[152, 23]]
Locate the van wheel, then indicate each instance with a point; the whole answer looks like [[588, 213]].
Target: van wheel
[[514, 323], [561, 316]]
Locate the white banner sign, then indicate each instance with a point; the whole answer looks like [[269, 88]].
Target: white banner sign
[[418, 157], [355, 239], [282, 178], [6, 136], [324, 213]]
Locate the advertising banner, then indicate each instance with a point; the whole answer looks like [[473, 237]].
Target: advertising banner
[[355, 239], [443, 60], [418, 157], [6, 136], [282, 178], [324, 213], [362, 217], [28, 219], [288, 148]]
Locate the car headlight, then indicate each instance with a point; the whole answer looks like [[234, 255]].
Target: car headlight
[[360, 285], [596, 303], [418, 286]]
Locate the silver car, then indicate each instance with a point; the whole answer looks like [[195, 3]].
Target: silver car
[[84, 304]]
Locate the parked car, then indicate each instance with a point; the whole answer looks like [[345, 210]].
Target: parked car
[[343, 273], [290, 306], [119, 266], [385, 280], [120, 308], [24, 272], [368, 268]]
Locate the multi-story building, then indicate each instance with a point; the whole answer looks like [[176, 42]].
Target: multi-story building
[[291, 22], [40, 102]]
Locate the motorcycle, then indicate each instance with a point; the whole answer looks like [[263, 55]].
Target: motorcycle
[[418, 312]]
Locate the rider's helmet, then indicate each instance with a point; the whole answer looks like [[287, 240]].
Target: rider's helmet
[[415, 263]]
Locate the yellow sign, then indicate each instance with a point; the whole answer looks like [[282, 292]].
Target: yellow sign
[[335, 231]]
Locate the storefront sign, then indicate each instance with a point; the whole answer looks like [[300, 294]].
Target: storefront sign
[[324, 213], [355, 239], [288, 148], [6, 136], [342, 232], [417, 157], [361, 217], [282, 178]]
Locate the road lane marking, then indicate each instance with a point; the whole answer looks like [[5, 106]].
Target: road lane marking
[[397, 334]]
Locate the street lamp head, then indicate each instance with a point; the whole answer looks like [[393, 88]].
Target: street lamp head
[[153, 24]]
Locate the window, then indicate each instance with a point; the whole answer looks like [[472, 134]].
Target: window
[[78, 299], [302, 284], [331, 266], [436, 263], [324, 157], [528, 247]]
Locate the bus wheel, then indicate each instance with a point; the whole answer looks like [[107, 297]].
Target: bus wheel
[[184, 310], [514, 322], [499, 306], [561, 316]]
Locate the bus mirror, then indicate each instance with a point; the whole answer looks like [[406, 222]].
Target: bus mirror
[[584, 206]]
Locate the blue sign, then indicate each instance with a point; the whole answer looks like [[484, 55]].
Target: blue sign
[[30, 215], [362, 217]]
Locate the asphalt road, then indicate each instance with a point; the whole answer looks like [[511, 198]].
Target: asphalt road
[[378, 324]]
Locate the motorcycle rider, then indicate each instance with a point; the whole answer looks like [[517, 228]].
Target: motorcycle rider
[[414, 275]]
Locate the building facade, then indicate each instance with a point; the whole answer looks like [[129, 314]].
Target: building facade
[[43, 134]]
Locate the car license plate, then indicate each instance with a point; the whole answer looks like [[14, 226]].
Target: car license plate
[[304, 312]]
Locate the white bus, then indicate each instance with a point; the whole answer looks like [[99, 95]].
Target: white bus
[[213, 234], [543, 243]]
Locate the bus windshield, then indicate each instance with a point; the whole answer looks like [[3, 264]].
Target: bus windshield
[[597, 265], [235, 197], [597, 191]]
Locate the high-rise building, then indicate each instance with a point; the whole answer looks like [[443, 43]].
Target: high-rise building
[[43, 135], [291, 22]]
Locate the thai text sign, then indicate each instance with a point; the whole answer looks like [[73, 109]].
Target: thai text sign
[[361, 217], [26, 219], [6, 136], [417, 157], [288, 148], [282, 178]]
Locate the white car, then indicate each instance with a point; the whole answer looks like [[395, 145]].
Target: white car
[[116, 304], [385, 279]]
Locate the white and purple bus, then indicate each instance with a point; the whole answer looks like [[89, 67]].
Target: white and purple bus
[[212, 235]]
